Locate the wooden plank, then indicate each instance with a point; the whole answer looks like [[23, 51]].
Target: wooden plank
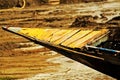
[[67, 36], [48, 35], [39, 33], [58, 34], [76, 37], [83, 41], [33, 32], [42, 34], [57, 37]]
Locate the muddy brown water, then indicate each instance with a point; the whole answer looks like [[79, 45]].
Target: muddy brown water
[[22, 64]]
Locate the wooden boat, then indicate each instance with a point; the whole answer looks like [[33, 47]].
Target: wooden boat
[[78, 44]]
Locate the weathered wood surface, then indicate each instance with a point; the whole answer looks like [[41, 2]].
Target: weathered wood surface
[[73, 38]]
